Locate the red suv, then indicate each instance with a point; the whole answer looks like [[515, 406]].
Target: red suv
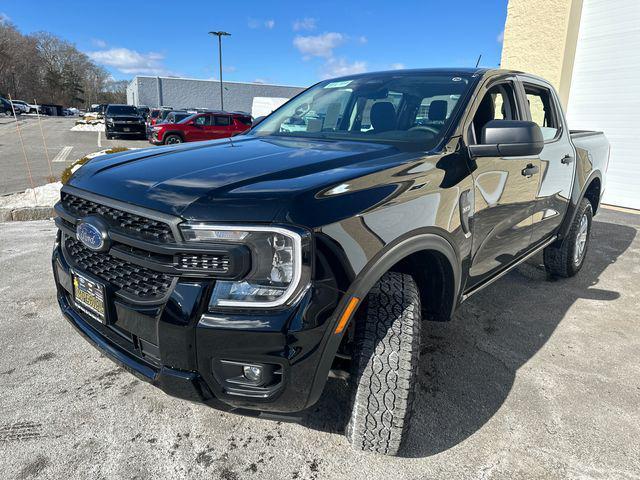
[[200, 126]]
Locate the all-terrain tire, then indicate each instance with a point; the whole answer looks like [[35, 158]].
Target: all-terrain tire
[[387, 350], [565, 258]]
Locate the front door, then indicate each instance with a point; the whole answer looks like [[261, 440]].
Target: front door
[[199, 130], [504, 191]]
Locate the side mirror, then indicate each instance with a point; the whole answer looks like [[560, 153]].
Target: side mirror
[[256, 121], [509, 138]]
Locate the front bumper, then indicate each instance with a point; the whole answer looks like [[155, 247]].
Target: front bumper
[[171, 346], [126, 129]]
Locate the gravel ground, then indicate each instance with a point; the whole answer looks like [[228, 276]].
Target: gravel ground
[[532, 379]]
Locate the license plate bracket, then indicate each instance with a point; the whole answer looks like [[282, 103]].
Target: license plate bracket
[[89, 296]]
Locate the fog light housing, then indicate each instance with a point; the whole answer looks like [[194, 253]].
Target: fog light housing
[[253, 373]]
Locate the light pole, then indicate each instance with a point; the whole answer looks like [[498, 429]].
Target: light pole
[[220, 35]]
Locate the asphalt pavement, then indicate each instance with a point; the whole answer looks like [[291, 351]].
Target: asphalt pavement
[[63, 147], [533, 379]]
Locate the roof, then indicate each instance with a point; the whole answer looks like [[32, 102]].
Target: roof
[[213, 80]]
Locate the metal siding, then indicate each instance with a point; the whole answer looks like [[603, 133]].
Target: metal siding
[[604, 90], [189, 93]]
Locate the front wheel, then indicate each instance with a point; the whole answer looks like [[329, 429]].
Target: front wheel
[[387, 350], [566, 258], [172, 139]]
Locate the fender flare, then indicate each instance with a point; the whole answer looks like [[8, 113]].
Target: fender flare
[[412, 242], [573, 206]]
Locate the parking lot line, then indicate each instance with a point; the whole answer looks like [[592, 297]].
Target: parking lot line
[[100, 139], [62, 155]]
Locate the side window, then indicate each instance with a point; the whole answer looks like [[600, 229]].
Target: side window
[[498, 103], [202, 120], [543, 110], [222, 121]]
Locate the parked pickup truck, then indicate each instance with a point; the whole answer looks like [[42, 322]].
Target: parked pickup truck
[[244, 272]]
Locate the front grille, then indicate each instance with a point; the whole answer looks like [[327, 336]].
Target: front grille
[[119, 220], [139, 282], [205, 262]]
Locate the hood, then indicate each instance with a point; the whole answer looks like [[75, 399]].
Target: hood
[[249, 179]]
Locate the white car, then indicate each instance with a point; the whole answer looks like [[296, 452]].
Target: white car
[[29, 107], [20, 106]]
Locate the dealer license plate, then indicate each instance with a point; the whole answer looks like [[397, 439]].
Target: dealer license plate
[[89, 296]]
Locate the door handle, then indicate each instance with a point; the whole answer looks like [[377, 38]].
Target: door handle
[[567, 159], [530, 170]]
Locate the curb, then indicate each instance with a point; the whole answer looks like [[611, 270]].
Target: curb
[[26, 213]]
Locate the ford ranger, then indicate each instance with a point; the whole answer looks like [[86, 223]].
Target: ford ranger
[[244, 272]]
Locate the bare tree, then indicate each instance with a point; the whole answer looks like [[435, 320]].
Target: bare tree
[[52, 70]]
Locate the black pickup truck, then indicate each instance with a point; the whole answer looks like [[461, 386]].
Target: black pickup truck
[[244, 272]]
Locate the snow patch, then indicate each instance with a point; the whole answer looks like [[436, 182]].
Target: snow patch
[[42, 196], [88, 127]]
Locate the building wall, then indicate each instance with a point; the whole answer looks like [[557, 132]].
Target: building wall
[[540, 37], [191, 93]]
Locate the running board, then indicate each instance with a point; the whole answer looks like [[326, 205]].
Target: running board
[[509, 268]]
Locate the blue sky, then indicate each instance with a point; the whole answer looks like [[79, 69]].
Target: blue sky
[[283, 42]]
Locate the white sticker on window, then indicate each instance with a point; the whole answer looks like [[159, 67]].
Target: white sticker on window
[[344, 83]]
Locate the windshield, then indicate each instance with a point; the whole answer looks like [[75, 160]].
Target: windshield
[[394, 107], [122, 110], [187, 119]]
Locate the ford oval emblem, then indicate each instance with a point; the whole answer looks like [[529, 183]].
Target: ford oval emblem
[[92, 233]]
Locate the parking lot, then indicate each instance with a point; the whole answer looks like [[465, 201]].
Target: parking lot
[[63, 147], [532, 379]]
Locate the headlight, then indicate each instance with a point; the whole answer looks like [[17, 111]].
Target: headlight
[[280, 268]]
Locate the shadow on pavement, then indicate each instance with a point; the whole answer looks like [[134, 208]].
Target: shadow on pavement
[[468, 365]]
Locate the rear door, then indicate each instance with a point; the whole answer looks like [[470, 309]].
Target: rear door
[[221, 127], [556, 161], [504, 188]]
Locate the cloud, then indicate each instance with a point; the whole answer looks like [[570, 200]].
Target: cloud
[[131, 62], [362, 39], [255, 23], [306, 23], [500, 37], [338, 67], [319, 45], [4, 18], [397, 66], [99, 43], [259, 80], [229, 68]]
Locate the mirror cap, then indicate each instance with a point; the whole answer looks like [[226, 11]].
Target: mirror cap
[[509, 138]]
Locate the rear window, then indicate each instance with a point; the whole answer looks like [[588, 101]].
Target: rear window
[[245, 120], [155, 113], [122, 110]]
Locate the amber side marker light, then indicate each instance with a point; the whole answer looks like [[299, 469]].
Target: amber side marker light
[[346, 315]]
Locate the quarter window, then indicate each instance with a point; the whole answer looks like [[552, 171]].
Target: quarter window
[[542, 110]]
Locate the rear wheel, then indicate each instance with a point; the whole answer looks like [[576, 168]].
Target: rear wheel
[[385, 366], [566, 258], [172, 139], [109, 136]]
